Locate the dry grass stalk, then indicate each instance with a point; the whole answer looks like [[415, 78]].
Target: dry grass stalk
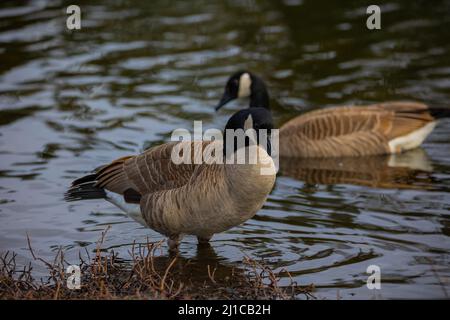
[[146, 275]]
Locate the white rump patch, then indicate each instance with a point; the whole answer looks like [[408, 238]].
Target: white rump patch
[[131, 209], [244, 85], [411, 140]]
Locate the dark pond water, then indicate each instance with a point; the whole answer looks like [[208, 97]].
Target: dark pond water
[[70, 101]]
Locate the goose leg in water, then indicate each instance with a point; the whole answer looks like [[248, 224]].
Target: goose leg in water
[[204, 240], [174, 242]]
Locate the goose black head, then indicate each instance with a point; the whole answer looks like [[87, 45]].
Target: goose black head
[[258, 119], [244, 84]]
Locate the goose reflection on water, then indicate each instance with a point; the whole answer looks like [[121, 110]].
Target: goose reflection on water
[[208, 275], [409, 170], [200, 268]]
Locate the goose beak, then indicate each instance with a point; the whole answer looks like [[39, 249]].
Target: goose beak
[[225, 99], [269, 147]]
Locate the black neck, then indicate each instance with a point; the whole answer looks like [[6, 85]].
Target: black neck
[[259, 97]]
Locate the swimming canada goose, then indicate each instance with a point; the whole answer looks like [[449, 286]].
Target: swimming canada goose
[[346, 131], [196, 199]]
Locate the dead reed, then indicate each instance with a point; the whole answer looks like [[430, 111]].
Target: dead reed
[[146, 275]]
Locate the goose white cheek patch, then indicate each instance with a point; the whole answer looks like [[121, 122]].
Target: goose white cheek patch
[[244, 85], [248, 124]]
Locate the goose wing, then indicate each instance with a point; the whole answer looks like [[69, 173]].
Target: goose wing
[[150, 171], [351, 130]]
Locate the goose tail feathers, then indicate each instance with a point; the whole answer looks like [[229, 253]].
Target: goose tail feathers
[[85, 188], [440, 112]]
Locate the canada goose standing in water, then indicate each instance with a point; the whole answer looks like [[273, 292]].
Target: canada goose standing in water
[[177, 199], [346, 131]]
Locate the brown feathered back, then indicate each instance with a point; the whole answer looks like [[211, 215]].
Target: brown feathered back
[[351, 131], [148, 172]]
